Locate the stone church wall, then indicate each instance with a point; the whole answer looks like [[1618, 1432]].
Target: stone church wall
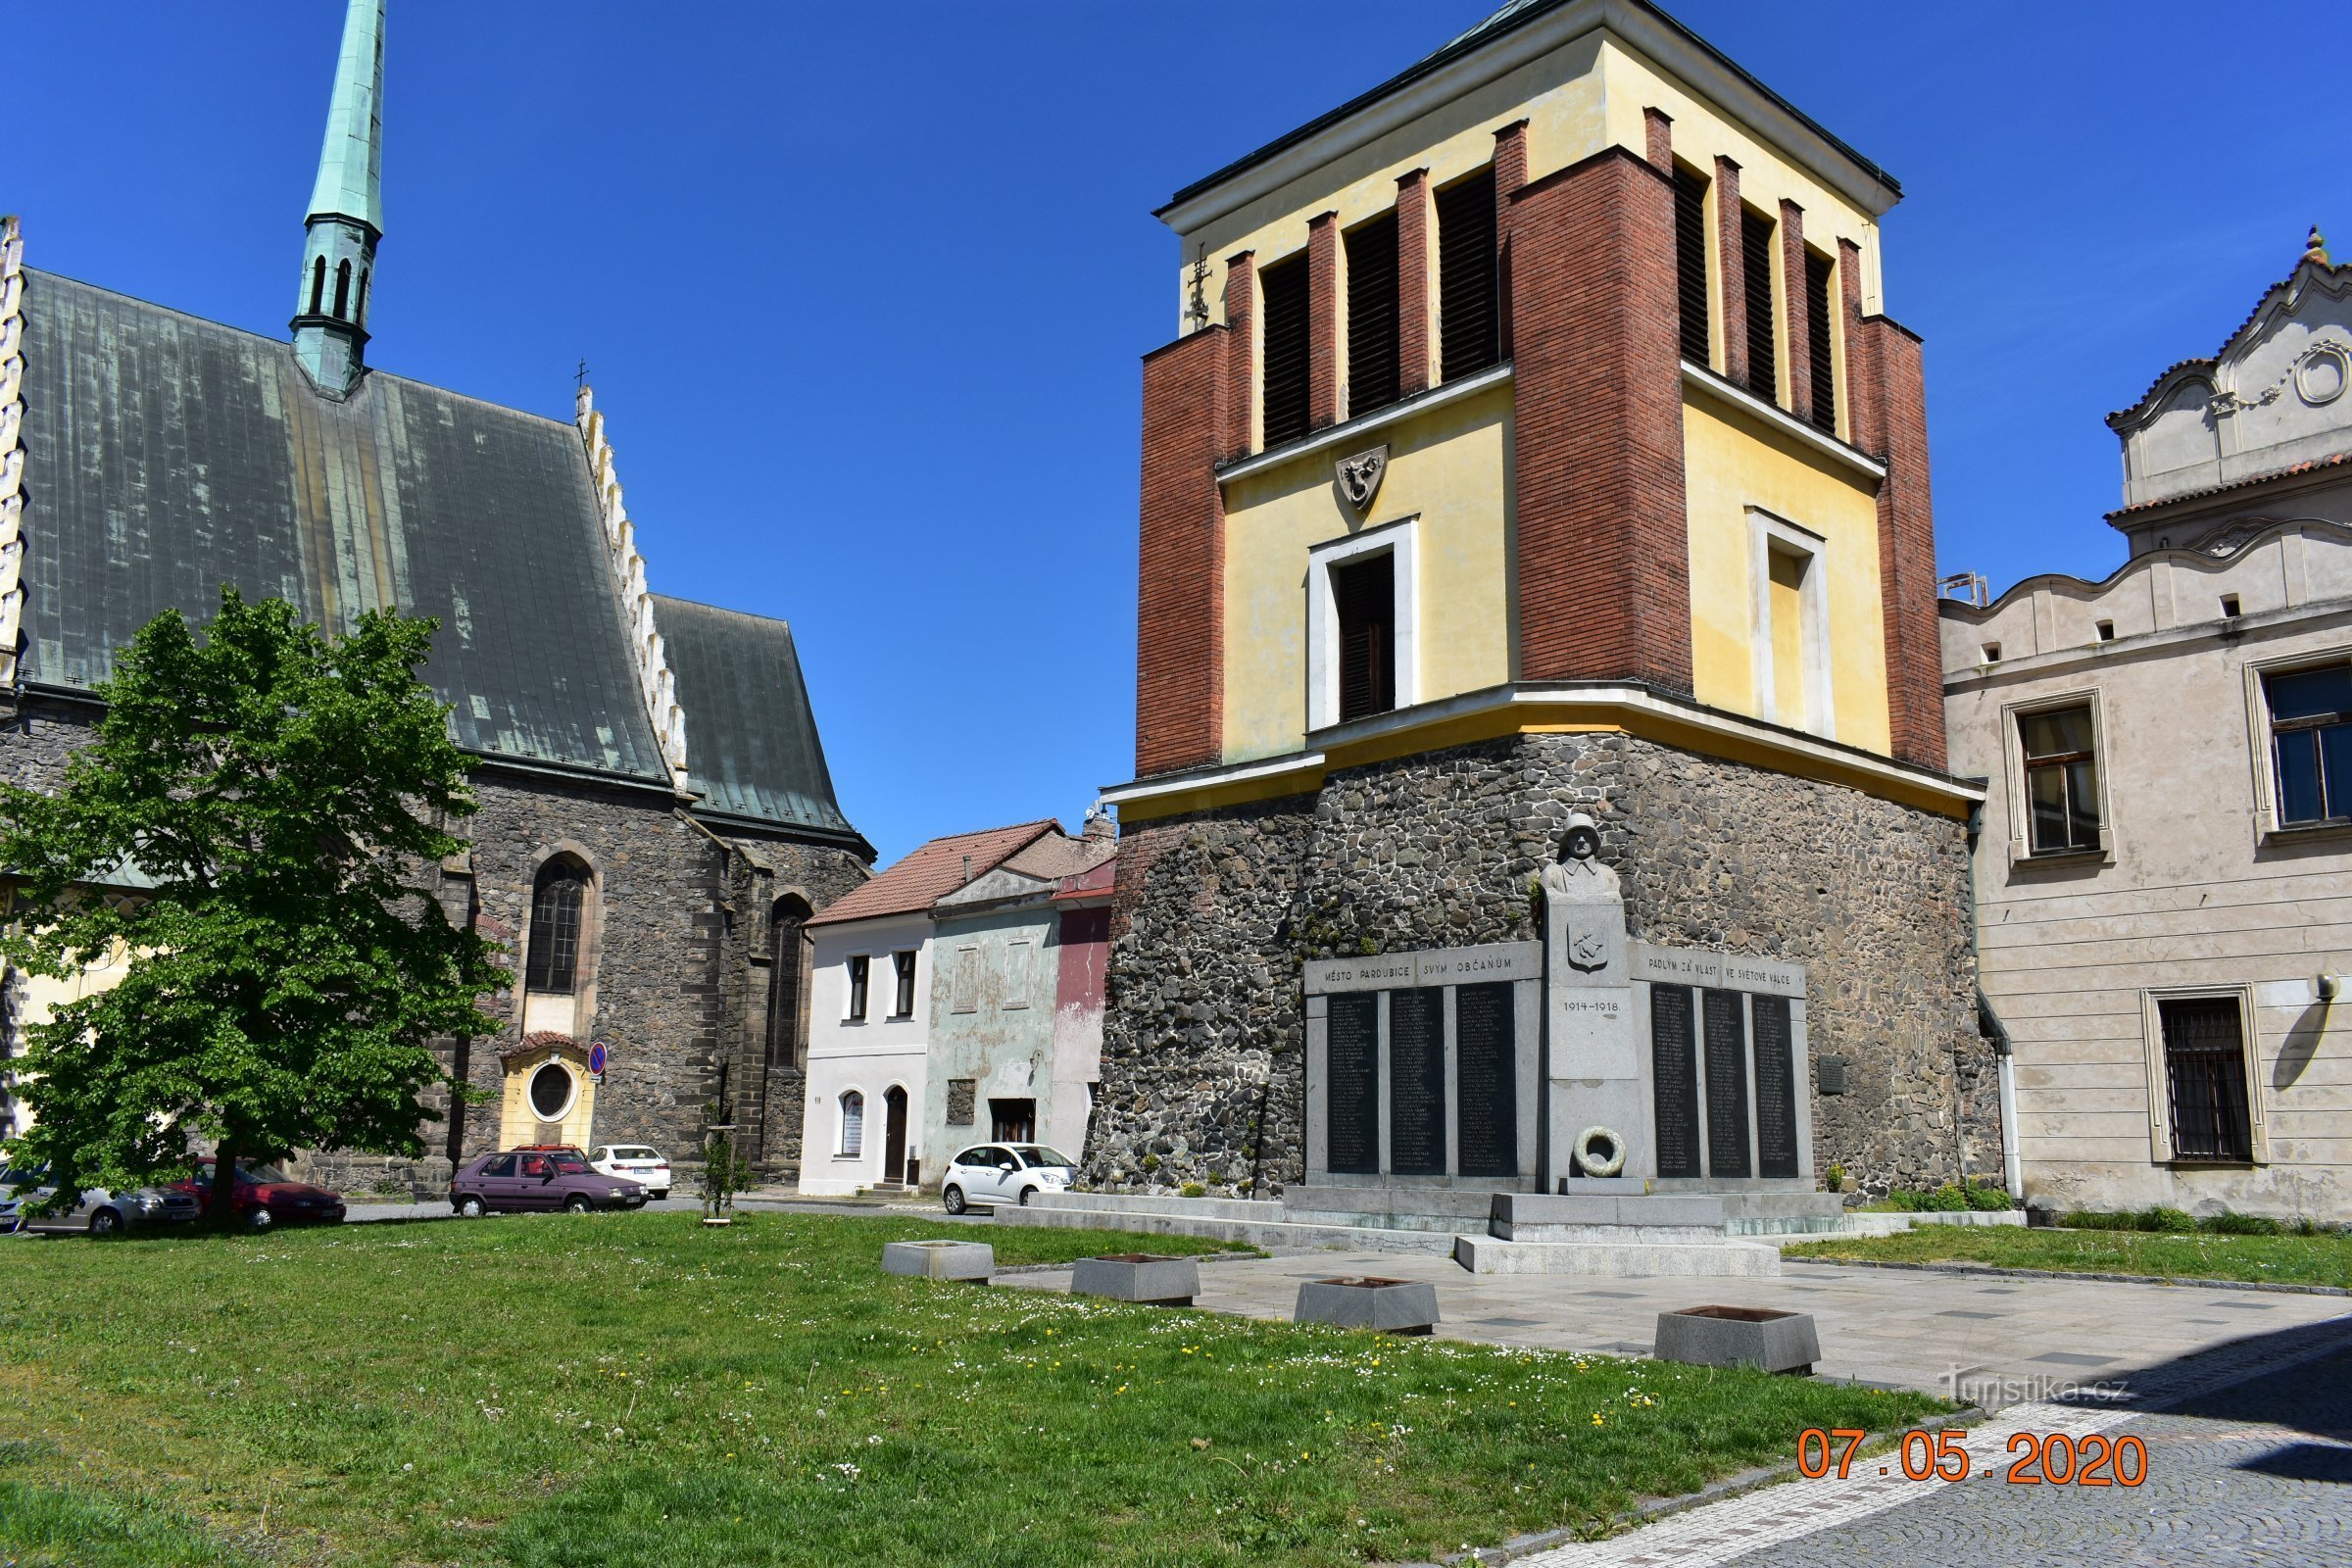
[[1216, 911]]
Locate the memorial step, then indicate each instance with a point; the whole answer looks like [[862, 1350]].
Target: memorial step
[[1619, 1260]]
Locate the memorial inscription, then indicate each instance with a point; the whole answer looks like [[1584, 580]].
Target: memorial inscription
[[1487, 1078], [1776, 1087], [1728, 1152], [1417, 1081], [1352, 1074], [1674, 1075]]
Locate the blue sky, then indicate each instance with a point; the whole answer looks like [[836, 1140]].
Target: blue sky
[[863, 289]]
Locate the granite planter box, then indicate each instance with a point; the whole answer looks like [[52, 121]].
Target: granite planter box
[[1138, 1277], [940, 1261], [1739, 1336], [1392, 1306]]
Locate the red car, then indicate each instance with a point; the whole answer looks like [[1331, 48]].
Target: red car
[[266, 1196]]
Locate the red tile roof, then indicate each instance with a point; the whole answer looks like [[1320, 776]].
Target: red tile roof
[[914, 883]]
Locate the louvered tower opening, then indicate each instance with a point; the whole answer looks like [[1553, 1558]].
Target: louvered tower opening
[[1372, 358], [1285, 288], [1817, 335], [1691, 261], [1469, 325], [1755, 242]]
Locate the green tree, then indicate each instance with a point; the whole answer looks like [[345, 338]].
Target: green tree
[[286, 794]]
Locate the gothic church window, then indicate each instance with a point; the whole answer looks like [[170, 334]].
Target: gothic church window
[[553, 963], [342, 289], [787, 981], [318, 284], [1469, 317]]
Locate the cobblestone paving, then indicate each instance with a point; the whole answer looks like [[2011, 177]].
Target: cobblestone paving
[[2241, 1469]]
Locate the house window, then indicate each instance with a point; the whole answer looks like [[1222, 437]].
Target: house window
[[787, 972], [1755, 246], [1363, 593], [852, 1123], [1284, 286], [1469, 318], [2062, 780], [860, 967], [1372, 349], [902, 1002], [1012, 1121], [2310, 743], [557, 897], [1690, 261], [1817, 341], [2205, 1079]]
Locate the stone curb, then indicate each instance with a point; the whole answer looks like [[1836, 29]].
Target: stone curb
[[1992, 1272], [1659, 1509]]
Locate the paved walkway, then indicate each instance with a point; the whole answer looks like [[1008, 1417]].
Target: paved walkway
[[1995, 1341]]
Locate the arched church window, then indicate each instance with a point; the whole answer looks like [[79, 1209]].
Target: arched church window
[[555, 904], [787, 980], [359, 314], [342, 288], [318, 284], [852, 1123]]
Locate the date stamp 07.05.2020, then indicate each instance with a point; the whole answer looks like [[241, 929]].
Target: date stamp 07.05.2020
[[2050, 1458]]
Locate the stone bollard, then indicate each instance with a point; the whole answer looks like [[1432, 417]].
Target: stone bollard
[[940, 1261]]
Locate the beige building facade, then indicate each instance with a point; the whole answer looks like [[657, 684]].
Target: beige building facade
[[2163, 864]]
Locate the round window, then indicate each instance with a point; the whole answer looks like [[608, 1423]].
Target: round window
[[551, 1092]]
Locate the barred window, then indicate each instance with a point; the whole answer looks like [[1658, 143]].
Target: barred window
[[2205, 1068], [553, 963]]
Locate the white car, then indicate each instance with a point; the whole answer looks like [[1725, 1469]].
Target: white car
[[637, 1162], [1004, 1173]]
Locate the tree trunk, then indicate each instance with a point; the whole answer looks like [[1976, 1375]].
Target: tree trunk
[[220, 1204]]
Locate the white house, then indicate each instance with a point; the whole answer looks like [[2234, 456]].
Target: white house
[[869, 1014]]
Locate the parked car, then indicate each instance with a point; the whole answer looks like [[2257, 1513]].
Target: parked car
[[100, 1212], [635, 1161], [1004, 1173], [265, 1195], [538, 1178]]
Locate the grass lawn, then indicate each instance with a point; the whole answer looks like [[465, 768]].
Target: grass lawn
[[634, 1392], [2260, 1260]]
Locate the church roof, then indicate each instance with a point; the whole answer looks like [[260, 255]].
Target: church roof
[[752, 747], [165, 454]]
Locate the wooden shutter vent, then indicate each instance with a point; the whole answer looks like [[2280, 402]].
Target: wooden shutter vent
[[1285, 288], [1817, 333], [1365, 593], [1756, 244], [1469, 327], [1372, 359], [1691, 261]]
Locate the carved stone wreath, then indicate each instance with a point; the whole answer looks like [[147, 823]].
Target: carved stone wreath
[[1359, 476]]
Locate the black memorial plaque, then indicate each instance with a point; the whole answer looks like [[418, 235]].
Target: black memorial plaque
[[1674, 1079], [1351, 1083], [1727, 1153], [1776, 1087], [1487, 1078], [1417, 1081]]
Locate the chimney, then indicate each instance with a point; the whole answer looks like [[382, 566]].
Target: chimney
[[1099, 823]]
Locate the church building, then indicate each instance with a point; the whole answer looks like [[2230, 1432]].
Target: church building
[[657, 816], [1535, 441]]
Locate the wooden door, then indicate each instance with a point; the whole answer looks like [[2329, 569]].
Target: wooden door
[[894, 1135]]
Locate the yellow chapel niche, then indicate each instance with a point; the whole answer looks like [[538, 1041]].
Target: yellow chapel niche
[[548, 1097]]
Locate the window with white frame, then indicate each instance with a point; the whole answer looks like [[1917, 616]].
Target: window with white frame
[[860, 967], [1362, 615], [852, 1123], [902, 1005], [1791, 648]]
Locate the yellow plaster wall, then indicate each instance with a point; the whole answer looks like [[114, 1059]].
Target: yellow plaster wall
[[519, 1123], [43, 996], [1452, 466], [1731, 464]]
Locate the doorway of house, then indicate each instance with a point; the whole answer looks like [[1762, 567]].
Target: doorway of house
[[894, 1135], [1015, 1121]]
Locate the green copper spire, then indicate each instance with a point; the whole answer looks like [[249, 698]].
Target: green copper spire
[[347, 213], [351, 163]]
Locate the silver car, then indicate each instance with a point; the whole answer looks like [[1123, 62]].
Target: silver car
[[101, 1211]]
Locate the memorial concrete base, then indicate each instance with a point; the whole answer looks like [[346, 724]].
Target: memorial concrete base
[[1487, 1255], [1139, 1277], [1739, 1336], [1392, 1306], [940, 1261]]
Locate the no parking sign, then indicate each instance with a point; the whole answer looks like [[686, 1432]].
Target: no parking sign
[[596, 1061]]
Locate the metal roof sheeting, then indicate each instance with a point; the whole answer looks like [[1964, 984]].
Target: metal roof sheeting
[[752, 747]]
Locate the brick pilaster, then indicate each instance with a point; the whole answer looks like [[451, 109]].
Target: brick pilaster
[[1887, 415], [1180, 624], [1240, 353], [1657, 127], [1322, 320], [1415, 372], [1799, 310], [1603, 549], [1731, 267], [1510, 176]]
